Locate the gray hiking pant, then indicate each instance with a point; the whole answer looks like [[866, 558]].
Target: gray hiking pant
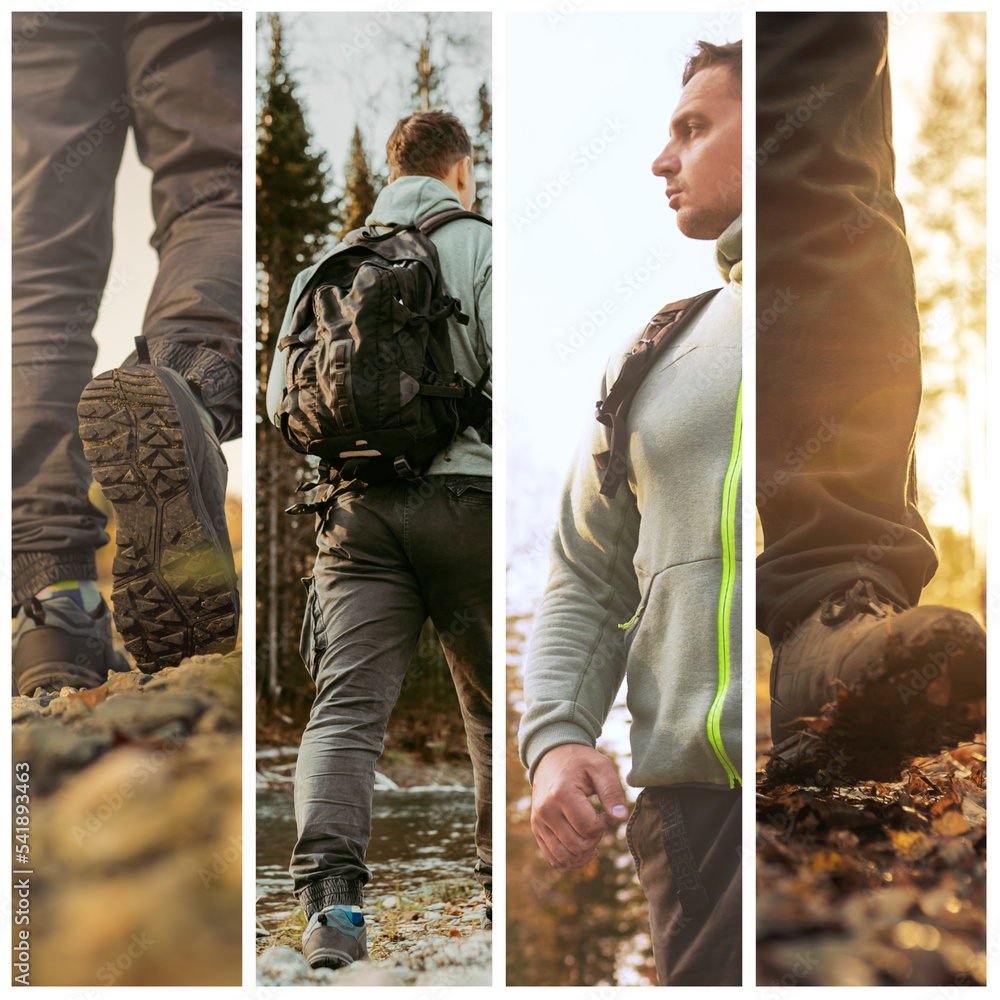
[[686, 846], [389, 557], [80, 80]]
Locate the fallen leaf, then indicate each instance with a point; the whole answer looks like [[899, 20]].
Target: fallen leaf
[[951, 824]]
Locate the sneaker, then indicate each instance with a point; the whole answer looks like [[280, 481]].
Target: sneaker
[[332, 939], [876, 685], [57, 644], [154, 452]]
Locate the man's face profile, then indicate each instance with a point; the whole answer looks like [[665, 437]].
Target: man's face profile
[[701, 162]]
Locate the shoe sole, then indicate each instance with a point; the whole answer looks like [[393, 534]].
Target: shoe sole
[[930, 699], [174, 587], [329, 959]]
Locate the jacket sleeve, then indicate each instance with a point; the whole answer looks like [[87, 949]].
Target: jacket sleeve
[[576, 661]]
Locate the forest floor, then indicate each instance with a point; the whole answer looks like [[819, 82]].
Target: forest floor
[[875, 883]]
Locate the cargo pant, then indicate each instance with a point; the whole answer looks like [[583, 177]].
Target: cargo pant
[[80, 81], [838, 355], [389, 557], [686, 844]]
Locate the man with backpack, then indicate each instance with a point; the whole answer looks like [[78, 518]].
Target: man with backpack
[[382, 371], [645, 581]]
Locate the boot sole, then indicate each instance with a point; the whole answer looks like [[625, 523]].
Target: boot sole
[[174, 584], [930, 699]]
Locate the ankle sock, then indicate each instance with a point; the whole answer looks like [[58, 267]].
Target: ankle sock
[[84, 592], [357, 917]]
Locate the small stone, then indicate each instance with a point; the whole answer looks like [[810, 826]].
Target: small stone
[[126, 680], [389, 902], [24, 708]]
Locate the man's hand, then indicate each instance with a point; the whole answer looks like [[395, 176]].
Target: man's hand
[[565, 824]]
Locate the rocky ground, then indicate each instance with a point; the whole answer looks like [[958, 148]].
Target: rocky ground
[[432, 961], [135, 840], [413, 940], [410, 944]]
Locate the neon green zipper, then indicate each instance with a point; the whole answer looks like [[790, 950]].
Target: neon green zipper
[[625, 626], [728, 532]]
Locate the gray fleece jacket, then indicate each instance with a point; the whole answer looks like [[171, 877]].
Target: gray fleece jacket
[[648, 584], [465, 254]]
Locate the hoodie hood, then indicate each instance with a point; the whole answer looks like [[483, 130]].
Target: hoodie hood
[[729, 252], [411, 199]]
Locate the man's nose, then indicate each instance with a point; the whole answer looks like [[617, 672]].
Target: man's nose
[[666, 163]]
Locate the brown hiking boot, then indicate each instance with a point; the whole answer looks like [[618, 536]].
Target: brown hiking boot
[[862, 686], [155, 453]]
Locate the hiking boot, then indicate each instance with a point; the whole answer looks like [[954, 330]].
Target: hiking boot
[[155, 453], [875, 685], [333, 939], [57, 644], [486, 923]]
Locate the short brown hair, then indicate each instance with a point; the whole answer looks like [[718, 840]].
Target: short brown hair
[[707, 54], [427, 143]]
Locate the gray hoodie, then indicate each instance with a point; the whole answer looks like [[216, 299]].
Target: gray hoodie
[[465, 253], [648, 583]]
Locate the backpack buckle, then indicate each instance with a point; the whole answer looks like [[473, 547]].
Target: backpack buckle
[[403, 469]]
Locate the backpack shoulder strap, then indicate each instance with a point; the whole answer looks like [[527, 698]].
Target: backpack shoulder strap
[[613, 411], [437, 221]]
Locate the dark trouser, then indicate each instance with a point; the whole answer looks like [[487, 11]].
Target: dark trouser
[[389, 558], [838, 357], [686, 843], [79, 81]]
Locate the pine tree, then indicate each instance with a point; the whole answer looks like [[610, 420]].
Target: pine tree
[[482, 153], [428, 76], [294, 218], [359, 187]]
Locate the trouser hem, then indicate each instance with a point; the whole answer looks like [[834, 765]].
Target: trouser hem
[[778, 622], [33, 571], [330, 892]]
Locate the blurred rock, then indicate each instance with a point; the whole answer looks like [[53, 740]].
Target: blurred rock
[[53, 751], [136, 828], [431, 961]]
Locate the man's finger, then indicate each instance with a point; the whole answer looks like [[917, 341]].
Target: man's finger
[[556, 853], [609, 790], [562, 833]]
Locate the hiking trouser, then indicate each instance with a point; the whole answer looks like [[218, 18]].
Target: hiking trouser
[[389, 557], [838, 357], [80, 80], [686, 843]]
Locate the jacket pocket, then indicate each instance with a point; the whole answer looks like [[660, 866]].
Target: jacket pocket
[[313, 640], [631, 627]]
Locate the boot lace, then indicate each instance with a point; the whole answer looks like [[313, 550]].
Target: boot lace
[[861, 599]]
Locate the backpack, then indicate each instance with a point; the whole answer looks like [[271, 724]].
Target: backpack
[[613, 411], [370, 383]]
